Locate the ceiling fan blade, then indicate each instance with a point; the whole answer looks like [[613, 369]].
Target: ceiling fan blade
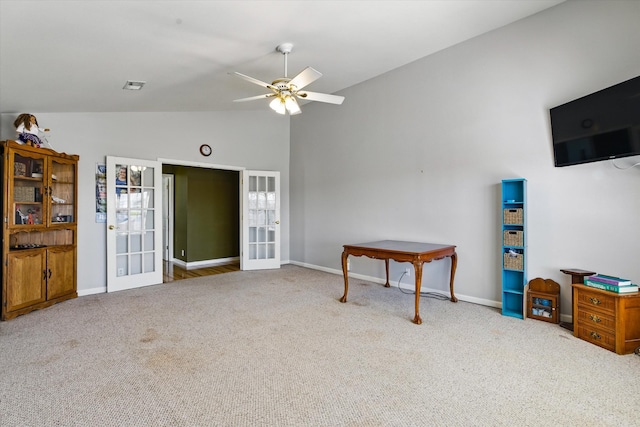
[[305, 77], [253, 98], [255, 81], [321, 97]]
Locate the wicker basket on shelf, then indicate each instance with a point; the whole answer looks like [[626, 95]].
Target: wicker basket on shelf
[[513, 238], [513, 261], [513, 216]]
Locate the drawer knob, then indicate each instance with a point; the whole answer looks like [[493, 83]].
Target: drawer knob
[[595, 301], [595, 335], [594, 318]]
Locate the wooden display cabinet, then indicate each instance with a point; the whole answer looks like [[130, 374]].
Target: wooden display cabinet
[[543, 300], [39, 193]]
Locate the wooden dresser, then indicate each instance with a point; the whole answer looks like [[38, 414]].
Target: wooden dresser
[[607, 319]]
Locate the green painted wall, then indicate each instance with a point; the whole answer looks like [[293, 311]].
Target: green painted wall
[[207, 213]]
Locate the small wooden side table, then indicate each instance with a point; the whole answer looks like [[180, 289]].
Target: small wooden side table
[[577, 276]]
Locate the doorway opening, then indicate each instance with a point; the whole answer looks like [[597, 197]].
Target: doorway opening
[[201, 219]]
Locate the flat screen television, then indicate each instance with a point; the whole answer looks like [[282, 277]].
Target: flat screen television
[[600, 126]]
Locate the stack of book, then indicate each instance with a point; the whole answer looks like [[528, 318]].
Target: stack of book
[[610, 283]]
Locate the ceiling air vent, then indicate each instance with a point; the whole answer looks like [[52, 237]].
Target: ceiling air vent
[[133, 85]]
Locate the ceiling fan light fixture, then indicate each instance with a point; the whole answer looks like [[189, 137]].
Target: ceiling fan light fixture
[[278, 105], [285, 90], [292, 105]]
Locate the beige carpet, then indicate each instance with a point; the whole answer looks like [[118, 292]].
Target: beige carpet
[[277, 348]]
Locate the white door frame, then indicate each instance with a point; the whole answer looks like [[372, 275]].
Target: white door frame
[[167, 216], [213, 166], [243, 265]]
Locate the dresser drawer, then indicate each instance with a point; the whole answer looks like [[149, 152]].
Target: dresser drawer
[[588, 299], [600, 337], [595, 319]]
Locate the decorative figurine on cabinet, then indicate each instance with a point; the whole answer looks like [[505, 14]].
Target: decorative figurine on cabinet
[[28, 131]]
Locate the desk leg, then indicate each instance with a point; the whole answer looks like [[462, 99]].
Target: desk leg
[[386, 266], [454, 264], [417, 266], [345, 273]]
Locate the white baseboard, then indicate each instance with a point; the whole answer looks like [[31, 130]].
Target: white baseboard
[[206, 263], [463, 297], [200, 264], [92, 291], [480, 301]]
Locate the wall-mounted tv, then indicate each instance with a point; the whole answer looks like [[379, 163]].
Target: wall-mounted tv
[[600, 126]]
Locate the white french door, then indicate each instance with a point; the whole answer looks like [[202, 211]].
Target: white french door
[[134, 223], [260, 230]]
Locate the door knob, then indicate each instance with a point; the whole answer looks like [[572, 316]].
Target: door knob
[[112, 227]]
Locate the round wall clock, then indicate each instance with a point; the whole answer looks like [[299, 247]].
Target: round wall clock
[[205, 150]]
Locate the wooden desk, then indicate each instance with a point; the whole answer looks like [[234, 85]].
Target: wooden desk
[[413, 252]]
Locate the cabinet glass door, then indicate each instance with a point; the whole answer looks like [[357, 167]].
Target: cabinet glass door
[[28, 190], [62, 175]]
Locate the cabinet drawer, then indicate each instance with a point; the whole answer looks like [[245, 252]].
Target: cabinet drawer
[[589, 318], [597, 300], [597, 336]]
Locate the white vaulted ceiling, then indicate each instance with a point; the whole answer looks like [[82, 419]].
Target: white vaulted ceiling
[[75, 56]]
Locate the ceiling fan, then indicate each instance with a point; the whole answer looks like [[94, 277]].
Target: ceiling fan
[[285, 91]]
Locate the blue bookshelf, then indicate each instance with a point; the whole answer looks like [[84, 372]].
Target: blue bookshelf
[[514, 246]]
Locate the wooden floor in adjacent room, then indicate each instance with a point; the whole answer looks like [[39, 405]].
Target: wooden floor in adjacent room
[[172, 272]]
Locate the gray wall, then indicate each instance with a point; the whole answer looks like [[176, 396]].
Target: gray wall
[[253, 140], [418, 154]]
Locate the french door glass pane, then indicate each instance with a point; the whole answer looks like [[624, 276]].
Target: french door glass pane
[[147, 177], [149, 241], [136, 264], [122, 265], [136, 242], [149, 264], [122, 243]]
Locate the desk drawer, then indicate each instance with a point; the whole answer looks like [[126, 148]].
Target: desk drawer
[[605, 303], [594, 319], [600, 337]]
